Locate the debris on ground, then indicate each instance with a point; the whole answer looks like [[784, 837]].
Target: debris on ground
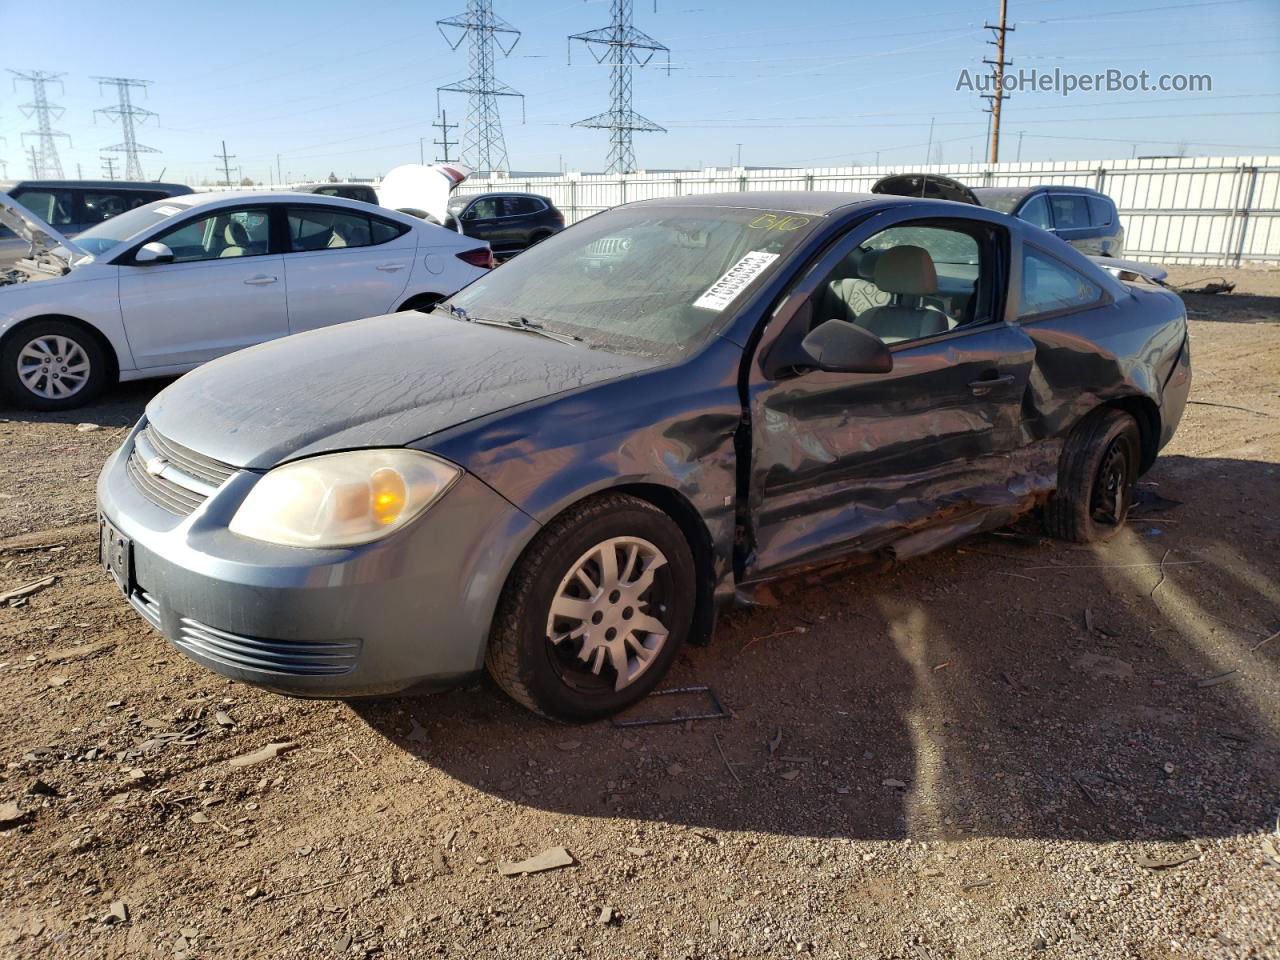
[[10, 813], [1166, 862], [1216, 679], [269, 752], [27, 590], [551, 859], [82, 652]]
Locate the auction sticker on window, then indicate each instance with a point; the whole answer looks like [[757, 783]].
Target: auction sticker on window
[[722, 293]]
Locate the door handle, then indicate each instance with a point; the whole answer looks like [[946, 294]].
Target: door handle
[[390, 267], [980, 387], [260, 280]]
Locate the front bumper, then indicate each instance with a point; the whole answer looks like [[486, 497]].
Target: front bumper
[[410, 611]]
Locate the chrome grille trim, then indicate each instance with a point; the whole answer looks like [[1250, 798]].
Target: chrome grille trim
[[173, 476], [146, 605], [290, 657]]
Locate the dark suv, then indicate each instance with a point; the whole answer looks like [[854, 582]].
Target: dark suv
[[351, 191], [1084, 218], [509, 221], [70, 206]]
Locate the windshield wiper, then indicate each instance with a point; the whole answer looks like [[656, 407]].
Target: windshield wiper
[[515, 323]]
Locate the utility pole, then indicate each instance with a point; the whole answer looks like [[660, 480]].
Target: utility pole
[[623, 47], [739, 155], [444, 126], [279, 178], [484, 146], [47, 163], [928, 150], [110, 164], [999, 63], [226, 159], [127, 113], [1020, 133]]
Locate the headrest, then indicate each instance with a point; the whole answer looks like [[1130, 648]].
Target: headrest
[[906, 270], [867, 265], [235, 234]]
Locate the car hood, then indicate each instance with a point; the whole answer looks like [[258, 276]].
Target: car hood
[[385, 381], [417, 187], [41, 237]]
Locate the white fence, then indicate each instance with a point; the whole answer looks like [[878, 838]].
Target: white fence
[[1191, 210]]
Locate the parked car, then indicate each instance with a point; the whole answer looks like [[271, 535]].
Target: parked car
[[171, 284], [563, 471], [508, 222], [74, 205], [351, 191], [1085, 218]]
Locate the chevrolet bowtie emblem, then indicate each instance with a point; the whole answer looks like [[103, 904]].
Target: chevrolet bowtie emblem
[[155, 466]]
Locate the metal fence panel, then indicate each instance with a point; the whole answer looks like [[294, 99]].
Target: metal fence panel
[[1190, 210]]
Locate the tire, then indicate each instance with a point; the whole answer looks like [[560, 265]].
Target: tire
[[422, 301], [22, 376], [553, 678], [1096, 477]]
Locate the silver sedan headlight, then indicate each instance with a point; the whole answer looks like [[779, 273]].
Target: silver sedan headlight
[[342, 499]]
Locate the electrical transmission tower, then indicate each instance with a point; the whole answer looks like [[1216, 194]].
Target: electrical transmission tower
[[622, 46], [483, 145], [46, 163], [127, 113]]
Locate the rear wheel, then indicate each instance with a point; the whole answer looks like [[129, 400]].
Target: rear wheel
[[595, 611], [1096, 478], [53, 365]]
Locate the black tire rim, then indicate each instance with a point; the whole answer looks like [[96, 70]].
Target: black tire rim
[[1110, 501], [610, 618]]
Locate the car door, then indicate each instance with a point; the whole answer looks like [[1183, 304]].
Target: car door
[[343, 265], [845, 462], [480, 220], [1071, 221], [223, 290]]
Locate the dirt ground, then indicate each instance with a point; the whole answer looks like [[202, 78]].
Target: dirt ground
[[1012, 748]]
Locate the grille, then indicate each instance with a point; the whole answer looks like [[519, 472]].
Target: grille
[[146, 605], [294, 658], [179, 479]]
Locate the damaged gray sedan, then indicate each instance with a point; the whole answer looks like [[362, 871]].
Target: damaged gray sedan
[[563, 472]]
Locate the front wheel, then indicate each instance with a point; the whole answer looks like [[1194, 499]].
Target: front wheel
[[595, 611], [1096, 478], [53, 365]]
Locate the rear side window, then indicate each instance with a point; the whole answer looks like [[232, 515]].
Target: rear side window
[[100, 205], [1101, 211], [522, 206], [1050, 286], [54, 207], [1070, 211], [1036, 212], [320, 228]]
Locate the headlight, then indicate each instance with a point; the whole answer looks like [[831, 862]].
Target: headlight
[[342, 498]]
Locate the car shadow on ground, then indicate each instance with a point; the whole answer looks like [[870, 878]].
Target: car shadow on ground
[[120, 406], [1009, 686], [1232, 307]]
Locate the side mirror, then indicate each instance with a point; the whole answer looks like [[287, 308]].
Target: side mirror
[[153, 252], [840, 347]]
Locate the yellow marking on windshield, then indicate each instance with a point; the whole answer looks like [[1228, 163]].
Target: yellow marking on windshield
[[783, 222]]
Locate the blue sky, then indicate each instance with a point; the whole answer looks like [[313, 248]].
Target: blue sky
[[350, 88]]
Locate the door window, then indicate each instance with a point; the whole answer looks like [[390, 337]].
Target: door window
[[486, 208], [237, 233], [1050, 286], [1036, 212], [321, 229], [1070, 211], [54, 207], [909, 282], [1101, 212]]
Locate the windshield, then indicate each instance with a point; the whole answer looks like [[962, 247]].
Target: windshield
[[648, 281], [104, 236]]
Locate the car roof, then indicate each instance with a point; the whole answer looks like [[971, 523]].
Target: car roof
[[8, 186], [820, 202], [274, 196], [1011, 192]]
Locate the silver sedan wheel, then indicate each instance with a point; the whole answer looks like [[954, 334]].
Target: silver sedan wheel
[[53, 367], [602, 606]]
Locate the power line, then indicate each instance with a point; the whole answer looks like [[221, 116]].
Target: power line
[[226, 159], [46, 164], [127, 113], [484, 146], [622, 46]]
